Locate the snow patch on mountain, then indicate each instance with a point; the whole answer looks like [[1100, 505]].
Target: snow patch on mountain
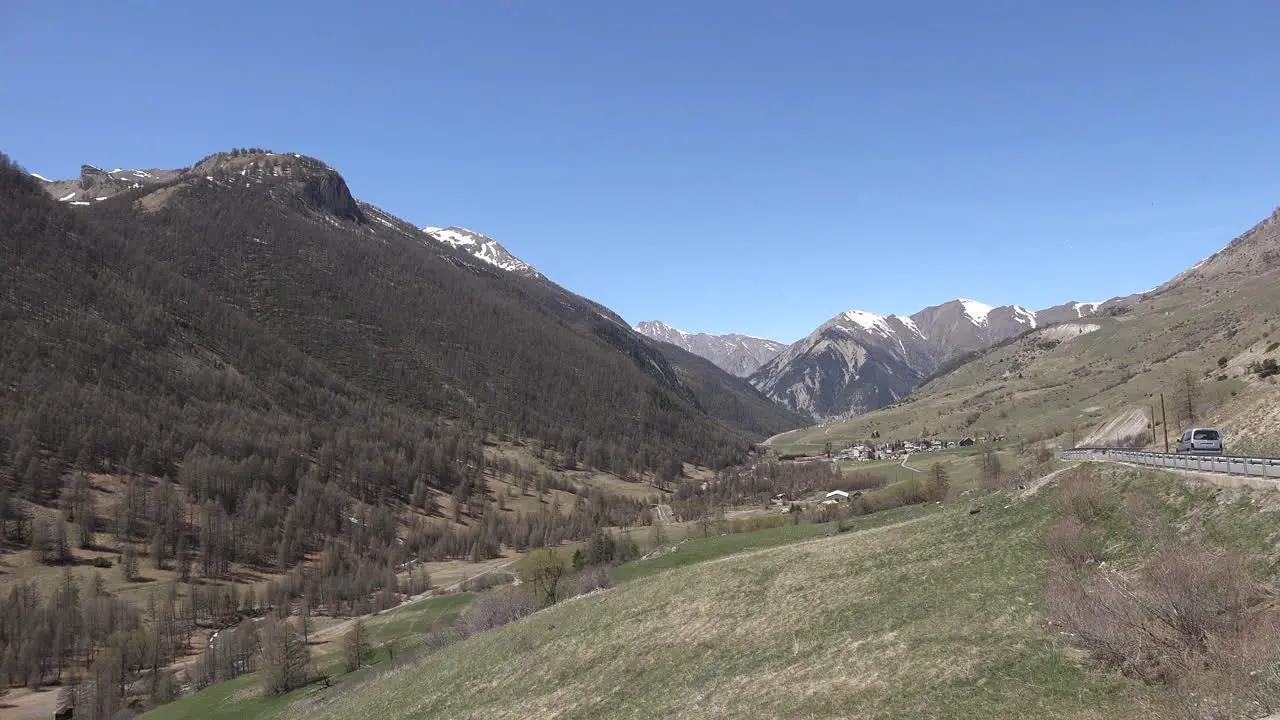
[[976, 311], [677, 330], [911, 325], [1022, 314], [481, 247], [868, 321]]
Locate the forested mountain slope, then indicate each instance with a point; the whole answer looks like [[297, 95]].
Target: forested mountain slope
[[285, 354], [733, 400]]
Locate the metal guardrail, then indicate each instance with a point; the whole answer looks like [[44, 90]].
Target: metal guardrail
[[1263, 467]]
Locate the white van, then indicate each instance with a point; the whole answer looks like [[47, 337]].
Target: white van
[[1200, 441]]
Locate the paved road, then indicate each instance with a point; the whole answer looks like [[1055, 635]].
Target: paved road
[[1244, 470]]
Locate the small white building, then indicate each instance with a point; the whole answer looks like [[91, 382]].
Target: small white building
[[838, 495]]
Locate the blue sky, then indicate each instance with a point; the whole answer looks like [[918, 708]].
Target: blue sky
[[723, 166]]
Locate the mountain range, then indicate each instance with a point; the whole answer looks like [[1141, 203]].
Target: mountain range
[[851, 364], [739, 355], [858, 361], [1199, 349]]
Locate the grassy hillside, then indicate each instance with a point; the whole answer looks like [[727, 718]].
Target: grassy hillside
[[939, 615], [929, 611]]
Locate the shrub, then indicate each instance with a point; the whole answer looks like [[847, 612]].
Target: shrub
[[498, 608], [101, 562], [442, 636], [1268, 368], [594, 577], [1188, 618], [1072, 543], [907, 492], [1152, 528], [1132, 440], [1082, 496]]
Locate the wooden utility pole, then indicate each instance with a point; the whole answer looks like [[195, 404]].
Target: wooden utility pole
[[1164, 420], [1152, 408]]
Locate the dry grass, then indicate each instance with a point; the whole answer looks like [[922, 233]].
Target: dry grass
[[872, 624], [1149, 587], [927, 611]]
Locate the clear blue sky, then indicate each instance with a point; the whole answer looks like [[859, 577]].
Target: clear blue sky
[[723, 166]]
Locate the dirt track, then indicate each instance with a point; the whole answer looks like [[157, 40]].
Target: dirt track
[[1128, 423]]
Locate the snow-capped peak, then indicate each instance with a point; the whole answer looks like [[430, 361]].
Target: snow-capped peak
[[976, 311], [868, 321], [483, 248], [650, 327], [455, 236]]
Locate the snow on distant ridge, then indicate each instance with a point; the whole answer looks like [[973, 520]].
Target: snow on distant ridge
[[659, 324], [911, 325], [976, 311], [868, 321], [1022, 312], [454, 237], [40, 177]]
